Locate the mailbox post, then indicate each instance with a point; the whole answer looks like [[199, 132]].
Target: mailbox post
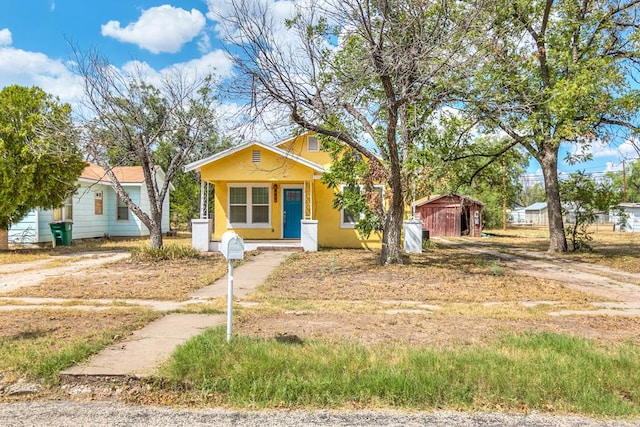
[[232, 247]]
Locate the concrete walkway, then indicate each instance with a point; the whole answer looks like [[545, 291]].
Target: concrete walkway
[[140, 355]]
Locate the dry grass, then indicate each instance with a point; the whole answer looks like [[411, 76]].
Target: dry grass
[[168, 281], [437, 277], [443, 297], [611, 249]]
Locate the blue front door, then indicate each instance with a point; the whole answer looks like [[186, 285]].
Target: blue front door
[[292, 213]]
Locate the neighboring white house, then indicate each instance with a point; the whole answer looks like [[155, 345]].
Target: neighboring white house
[[95, 209], [632, 220], [536, 214], [516, 216]]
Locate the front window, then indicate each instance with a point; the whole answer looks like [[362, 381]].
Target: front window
[[65, 212], [123, 210], [238, 205], [349, 219], [260, 205], [249, 206]]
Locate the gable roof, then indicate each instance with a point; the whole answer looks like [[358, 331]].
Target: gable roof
[[538, 206], [430, 199], [125, 174], [200, 163], [132, 174]]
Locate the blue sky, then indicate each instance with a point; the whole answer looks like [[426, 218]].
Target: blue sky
[[35, 50]]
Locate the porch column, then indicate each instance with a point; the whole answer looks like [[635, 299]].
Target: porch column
[[413, 236], [201, 233], [309, 235]]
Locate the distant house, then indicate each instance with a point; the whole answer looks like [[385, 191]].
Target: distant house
[[626, 217], [95, 209], [516, 216], [450, 215], [536, 214]]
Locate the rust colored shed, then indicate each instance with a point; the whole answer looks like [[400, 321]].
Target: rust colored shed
[[450, 215]]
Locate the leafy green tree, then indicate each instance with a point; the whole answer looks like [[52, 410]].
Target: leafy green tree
[[39, 157], [475, 166], [582, 198], [131, 119], [557, 71], [185, 197], [355, 187], [366, 73], [531, 195], [627, 183]]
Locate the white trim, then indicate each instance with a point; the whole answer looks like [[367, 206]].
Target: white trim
[[248, 186], [200, 163], [118, 219], [281, 189]]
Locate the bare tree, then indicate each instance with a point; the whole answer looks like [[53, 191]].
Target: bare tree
[[366, 73], [129, 119]]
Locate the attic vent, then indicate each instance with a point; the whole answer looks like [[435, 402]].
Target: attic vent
[[255, 157], [312, 144]]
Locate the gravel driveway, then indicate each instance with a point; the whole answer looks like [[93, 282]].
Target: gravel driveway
[[63, 414]]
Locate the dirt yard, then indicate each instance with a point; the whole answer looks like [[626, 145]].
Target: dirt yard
[[452, 295], [448, 296]]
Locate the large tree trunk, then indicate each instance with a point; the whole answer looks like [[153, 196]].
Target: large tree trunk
[[549, 164], [391, 241], [155, 231], [4, 239]]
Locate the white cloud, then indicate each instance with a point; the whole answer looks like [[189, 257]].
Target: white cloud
[[613, 167], [37, 69], [5, 37], [626, 149], [204, 44], [216, 63], [159, 29], [279, 12]]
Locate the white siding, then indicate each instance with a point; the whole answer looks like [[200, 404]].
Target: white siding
[[86, 223], [131, 227], [44, 218], [26, 230], [166, 220], [632, 222]]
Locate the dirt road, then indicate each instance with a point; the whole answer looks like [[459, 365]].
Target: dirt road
[[14, 276]]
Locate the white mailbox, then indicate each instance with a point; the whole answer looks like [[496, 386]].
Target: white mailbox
[[232, 246]]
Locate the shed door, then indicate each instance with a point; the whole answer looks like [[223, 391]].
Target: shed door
[[291, 213]]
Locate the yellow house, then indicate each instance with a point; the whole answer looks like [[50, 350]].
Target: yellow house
[[274, 192]]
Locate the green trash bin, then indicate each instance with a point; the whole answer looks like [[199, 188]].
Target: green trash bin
[[61, 233]]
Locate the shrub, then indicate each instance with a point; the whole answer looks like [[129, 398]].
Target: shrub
[[166, 252]]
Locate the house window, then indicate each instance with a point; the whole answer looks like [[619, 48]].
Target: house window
[[249, 206], [123, 210], [312, 144], [349, 219], [238, 205], [260, 205], [64, 212], [97, 205]]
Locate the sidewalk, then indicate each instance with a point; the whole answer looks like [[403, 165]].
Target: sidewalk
[[140, 355]]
